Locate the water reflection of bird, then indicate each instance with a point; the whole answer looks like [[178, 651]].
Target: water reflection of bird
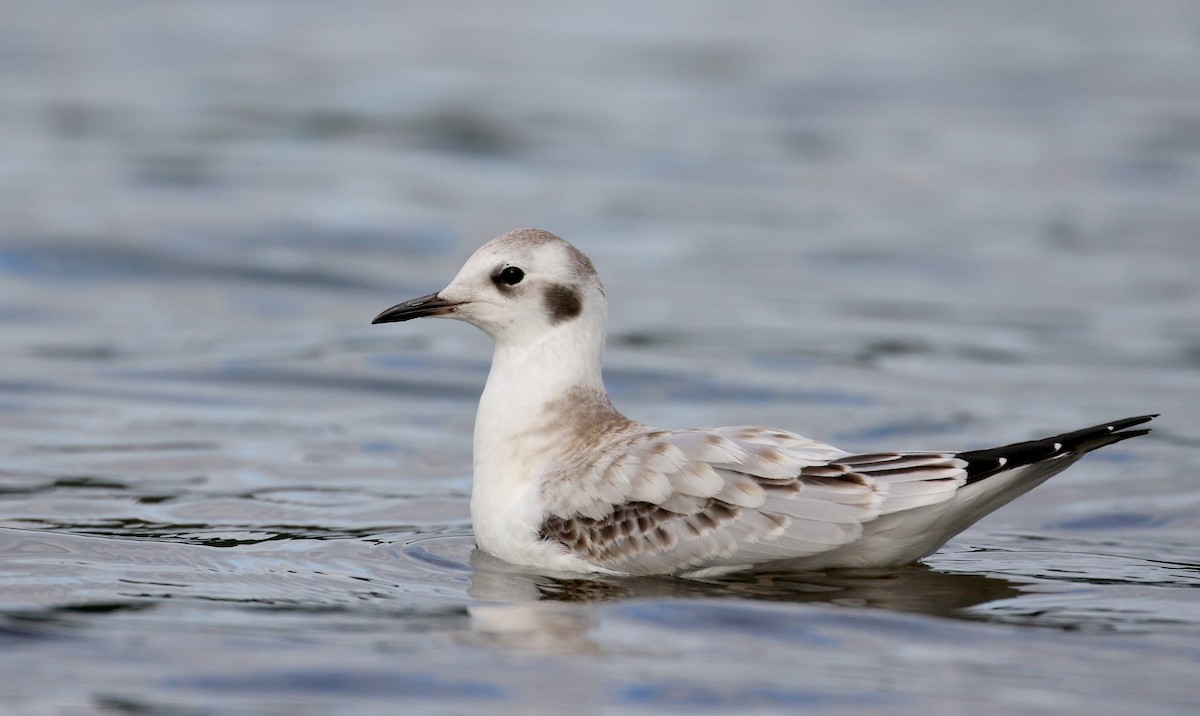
[[909, 588], [533, 612]]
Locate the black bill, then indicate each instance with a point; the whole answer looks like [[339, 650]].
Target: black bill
[[431, 305]]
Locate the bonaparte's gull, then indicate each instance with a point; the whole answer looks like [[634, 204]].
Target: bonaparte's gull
[[565, 483]]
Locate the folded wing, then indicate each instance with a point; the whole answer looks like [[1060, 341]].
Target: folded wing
[[687, 500]]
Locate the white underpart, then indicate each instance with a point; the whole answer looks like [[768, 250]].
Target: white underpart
[[513, 447]]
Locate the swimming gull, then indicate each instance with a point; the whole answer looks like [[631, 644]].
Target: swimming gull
[[565, 483]]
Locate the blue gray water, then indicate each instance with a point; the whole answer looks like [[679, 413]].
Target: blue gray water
[[901, 226]]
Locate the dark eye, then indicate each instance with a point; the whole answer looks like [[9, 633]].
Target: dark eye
[[510, 276]]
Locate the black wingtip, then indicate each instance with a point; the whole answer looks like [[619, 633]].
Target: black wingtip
[[1125, 435], [1129, 422], [982, 464]]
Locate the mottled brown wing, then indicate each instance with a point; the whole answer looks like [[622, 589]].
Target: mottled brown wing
[[683, 500]]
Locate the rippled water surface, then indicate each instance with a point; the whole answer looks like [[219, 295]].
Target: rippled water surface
[[900, 227]]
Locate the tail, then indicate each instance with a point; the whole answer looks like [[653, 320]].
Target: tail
[[982, 464]]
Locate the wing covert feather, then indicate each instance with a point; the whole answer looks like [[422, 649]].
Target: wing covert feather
[[698, 499]]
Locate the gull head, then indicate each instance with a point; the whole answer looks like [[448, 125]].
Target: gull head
[[518, 287]]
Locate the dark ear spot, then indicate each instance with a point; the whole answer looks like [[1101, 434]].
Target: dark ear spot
[[562, 302]]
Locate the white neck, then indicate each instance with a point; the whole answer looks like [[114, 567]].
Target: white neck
[[543, 399], [527, 382]]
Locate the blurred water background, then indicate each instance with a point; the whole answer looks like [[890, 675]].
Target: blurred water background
[[887, 226]]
